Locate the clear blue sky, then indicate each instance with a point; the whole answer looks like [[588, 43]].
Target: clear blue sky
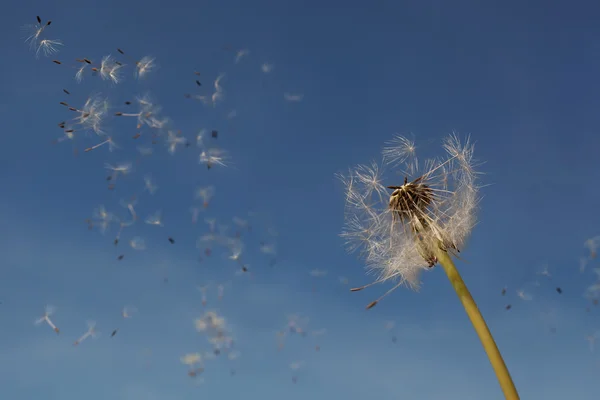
[[521, 79]]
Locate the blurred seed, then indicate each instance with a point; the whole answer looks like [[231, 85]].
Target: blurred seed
[[120, 257]]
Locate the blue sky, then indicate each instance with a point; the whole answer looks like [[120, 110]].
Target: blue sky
[[522, 82]]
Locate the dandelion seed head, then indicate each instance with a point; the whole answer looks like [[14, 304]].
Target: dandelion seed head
[[434, 205]]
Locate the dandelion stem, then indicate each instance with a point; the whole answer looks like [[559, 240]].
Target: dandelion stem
[[489, 345]]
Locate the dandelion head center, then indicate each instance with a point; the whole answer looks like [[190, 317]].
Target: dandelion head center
[[411, 199]]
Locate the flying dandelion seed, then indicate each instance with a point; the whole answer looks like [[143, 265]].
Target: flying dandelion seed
[[48, 47], [293, 98], [137, 243], [266, 68]]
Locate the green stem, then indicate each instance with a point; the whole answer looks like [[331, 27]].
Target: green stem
[[489, 345]]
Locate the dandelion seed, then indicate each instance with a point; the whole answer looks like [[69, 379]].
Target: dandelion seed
[[173, 140], [144, 66], [110, 69], [111, 145], [592, 245], [317, 273], [128, 311], [524, 296], [293, 98], [150, 185], [92, 114], [241, 54], [91, 332], [266, 68], [49, 310], [583, 261], [145, 150], [122, 169], [137, 243], [155, 219], [48, 47], [545, 272], [591, 339], [130, 206], [206, 194]]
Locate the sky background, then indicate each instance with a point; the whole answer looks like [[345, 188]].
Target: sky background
[[521, 79]]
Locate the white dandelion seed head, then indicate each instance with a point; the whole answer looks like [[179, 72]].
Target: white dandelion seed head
[[438, 209]]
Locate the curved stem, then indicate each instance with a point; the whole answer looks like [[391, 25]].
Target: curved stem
[[489, 345]]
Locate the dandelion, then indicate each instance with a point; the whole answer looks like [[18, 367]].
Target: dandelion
[[110, 69], [191, 360], [144, 66], [591, 339], [293, 97], [92, 114], [426, 220], [130, 206], [266, 68], [173, 140], [150, 185], [122, 225], [317, 273], [102, 218], [583, 262], [592, 245], [111, 145], [545, 272], [241, 54], [49, 310], [145, 150], [128, 311], [90, 332], [48, 47], [203, 290], [524, 296], [213, 156], [155, 219], [137, 243], [267, 248], [205, 193], [123, 168], [195, 212]]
